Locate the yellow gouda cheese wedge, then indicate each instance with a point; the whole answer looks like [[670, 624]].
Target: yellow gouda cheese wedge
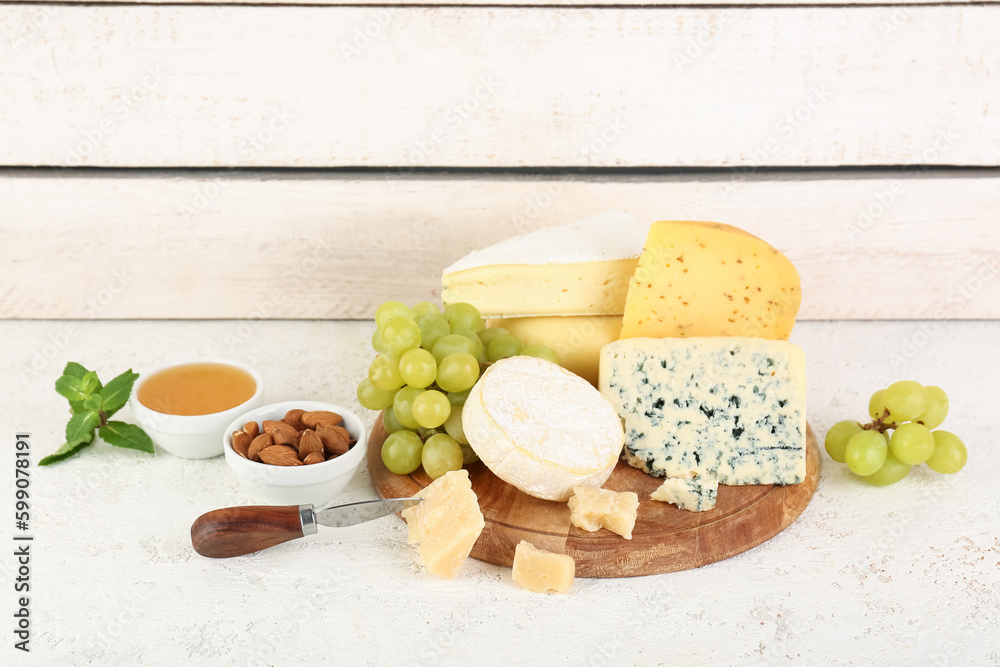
[[576, 339], [710, 279]]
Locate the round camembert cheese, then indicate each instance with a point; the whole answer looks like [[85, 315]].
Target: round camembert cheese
[[541, 428]]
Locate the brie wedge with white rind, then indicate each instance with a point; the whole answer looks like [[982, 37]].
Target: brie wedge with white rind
[[541, 428], [582, 268]]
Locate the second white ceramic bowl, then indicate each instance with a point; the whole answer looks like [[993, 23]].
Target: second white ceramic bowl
[[297, 485], [192, 436]]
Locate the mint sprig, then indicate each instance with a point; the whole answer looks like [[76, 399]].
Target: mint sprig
[[91, 404]]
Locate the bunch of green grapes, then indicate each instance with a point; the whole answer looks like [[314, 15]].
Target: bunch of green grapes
[[911, 411], [427, 362]]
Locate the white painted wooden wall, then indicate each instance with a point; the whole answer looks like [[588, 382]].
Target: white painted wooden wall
[[224, 160]]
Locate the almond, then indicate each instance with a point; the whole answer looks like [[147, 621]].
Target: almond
[[313, 458], [280, 455], [336, 440], [324, 417], [262, 441], [271, 425], [284, 437], [294, 419], [310, 443], [252, 429], [241, 443]]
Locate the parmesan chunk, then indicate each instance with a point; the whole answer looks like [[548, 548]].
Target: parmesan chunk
[[592, 509], [542, 571], [446, 524]]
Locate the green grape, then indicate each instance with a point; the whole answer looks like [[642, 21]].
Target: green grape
[[865, 452], [389, 421], [389, 311], [418, 368], [401, 452], [431, 409], [441, 454], [469, 455], [458, 397], [905, 400], [937, 408], [424, 309], [542, 352], [377, 343], [463, 316], [402, 406], [837, 437], [912, 443], [504, 346], [949, 454], [487, 335], [875, 407], [457, 372], [891, 471], [452, 344], [400, 334], [384, 373], [453, 426], [372, 397], [432, 329], [479, 351]]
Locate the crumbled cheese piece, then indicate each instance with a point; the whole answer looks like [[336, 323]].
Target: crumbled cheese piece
[[592, 509]]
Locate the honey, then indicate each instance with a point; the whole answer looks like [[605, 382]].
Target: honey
[[197, 389]]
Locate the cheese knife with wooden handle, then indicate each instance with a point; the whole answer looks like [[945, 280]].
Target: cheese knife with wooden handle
[[235, 531]]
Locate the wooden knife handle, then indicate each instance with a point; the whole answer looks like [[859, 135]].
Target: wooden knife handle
[[235, 531]]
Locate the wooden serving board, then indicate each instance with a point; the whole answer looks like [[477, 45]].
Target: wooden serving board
[[665, 538]]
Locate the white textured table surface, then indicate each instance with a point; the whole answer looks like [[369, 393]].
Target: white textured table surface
[[904, 575]]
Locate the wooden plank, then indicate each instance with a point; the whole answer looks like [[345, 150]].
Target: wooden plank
[[555, 4], [911, 245], [502, 87]]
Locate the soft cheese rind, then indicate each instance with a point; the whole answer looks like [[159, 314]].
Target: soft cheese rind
[[541, 428], [694, 495], [730, 408]]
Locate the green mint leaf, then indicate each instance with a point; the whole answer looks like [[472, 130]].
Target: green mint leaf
[[64, 452], [75, 370], [115, 394], [71, 388], [125, 435], [92, 402], [77, 406], [80, 429], [90, 383]]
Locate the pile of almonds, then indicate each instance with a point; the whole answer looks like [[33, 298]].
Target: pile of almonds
[[301, 438]]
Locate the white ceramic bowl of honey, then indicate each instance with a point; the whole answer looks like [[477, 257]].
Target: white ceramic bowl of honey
[[186, 406], [317, 483]]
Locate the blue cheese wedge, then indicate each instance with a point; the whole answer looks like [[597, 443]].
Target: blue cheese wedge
[[727, 408], [692, 494]]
